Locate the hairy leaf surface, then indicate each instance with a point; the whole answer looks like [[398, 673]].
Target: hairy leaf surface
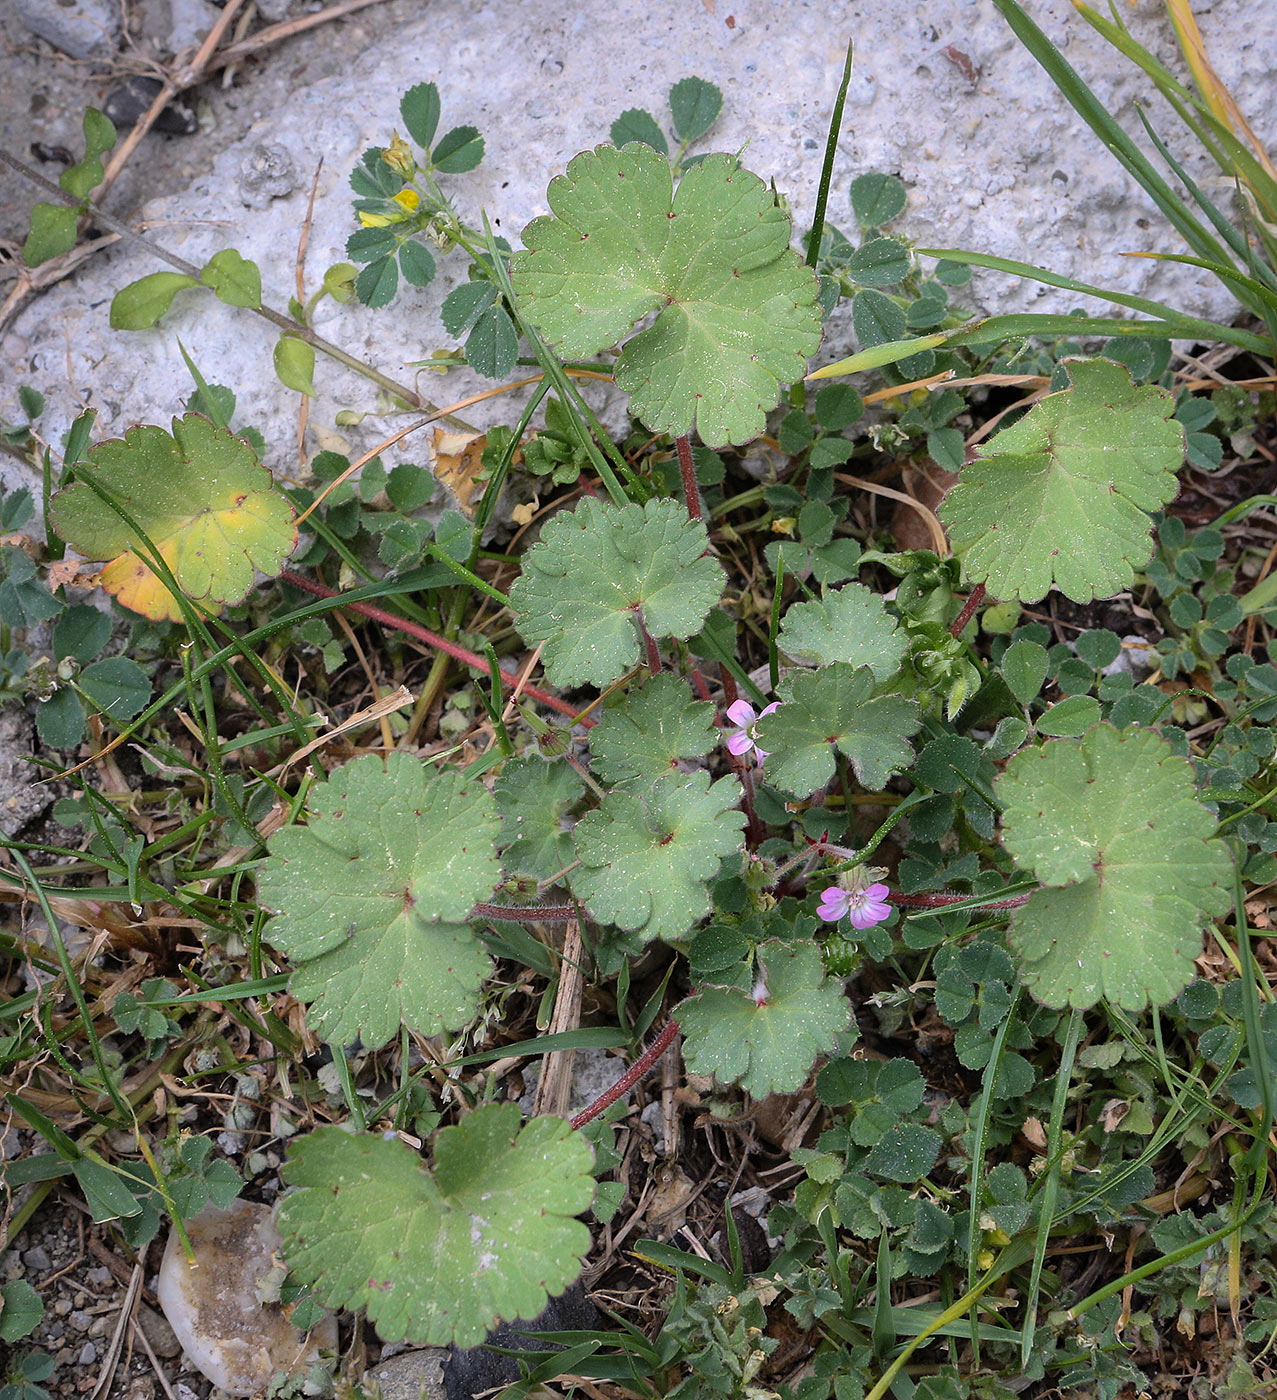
[[1062, 498], [532, 797], [373, 895], [737, 309], [766, 1038], [654, 726], [849, 624], [646, 854], [597, 570], [1113, 825], [440, 1256], [202, 498], [835, 707]]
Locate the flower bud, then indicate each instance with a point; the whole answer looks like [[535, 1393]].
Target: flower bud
[[399, 157]]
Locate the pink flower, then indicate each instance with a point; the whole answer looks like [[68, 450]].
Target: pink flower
[[741, 740], [866, 907]]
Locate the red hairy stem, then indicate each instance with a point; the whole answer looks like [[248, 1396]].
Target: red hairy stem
[[631, 1077], [527, 914], [688, 469], [651, 650], [974, 599], [423, 634], [730, 693], [942, 901]]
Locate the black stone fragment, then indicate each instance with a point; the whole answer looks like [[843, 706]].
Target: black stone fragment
[[128, 103], [475, 1370]]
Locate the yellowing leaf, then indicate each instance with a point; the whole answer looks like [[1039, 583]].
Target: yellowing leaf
[[202, 499]]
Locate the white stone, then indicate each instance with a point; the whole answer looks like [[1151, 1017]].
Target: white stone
[[213, 1306], [998, 165]]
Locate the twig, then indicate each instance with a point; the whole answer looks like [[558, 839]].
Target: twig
[[112, 1358], [303, 239], [176, 81], [554, 1087], [934, 528], [272, 34]]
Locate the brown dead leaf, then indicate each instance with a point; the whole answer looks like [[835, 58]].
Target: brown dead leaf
[[1035, 1133], [1112, 1114], [73, 572], [458, 461]]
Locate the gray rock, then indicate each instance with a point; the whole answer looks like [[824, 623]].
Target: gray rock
[[157, 1332], [22, 798], [88, 1354], [37, 1259], [80, 28], [411, 1375], [189, 22]]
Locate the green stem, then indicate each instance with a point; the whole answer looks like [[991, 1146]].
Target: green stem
[[276, 318]]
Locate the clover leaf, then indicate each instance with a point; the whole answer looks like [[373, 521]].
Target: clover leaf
[[766, 1037], [879, 1092], [202, 499], [532, 797], [645, 855], [598, 571], [1062, 497], [737, 310], [440, 1256], [650, 730], [1112, 824], [373, 894], [835, 705], [849, 624]]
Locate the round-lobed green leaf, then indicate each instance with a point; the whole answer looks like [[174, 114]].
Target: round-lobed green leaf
[[737, 309]]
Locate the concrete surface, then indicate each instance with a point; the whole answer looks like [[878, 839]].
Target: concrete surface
[[942, 95]]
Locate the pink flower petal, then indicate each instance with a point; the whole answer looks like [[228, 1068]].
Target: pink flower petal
[[739, 743], [742, 712]]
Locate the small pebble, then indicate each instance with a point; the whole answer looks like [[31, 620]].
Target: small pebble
[[62, 1307], [157, 1332], [100, 1277], [88, 1354], [81, 1321], [37, 1259]]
